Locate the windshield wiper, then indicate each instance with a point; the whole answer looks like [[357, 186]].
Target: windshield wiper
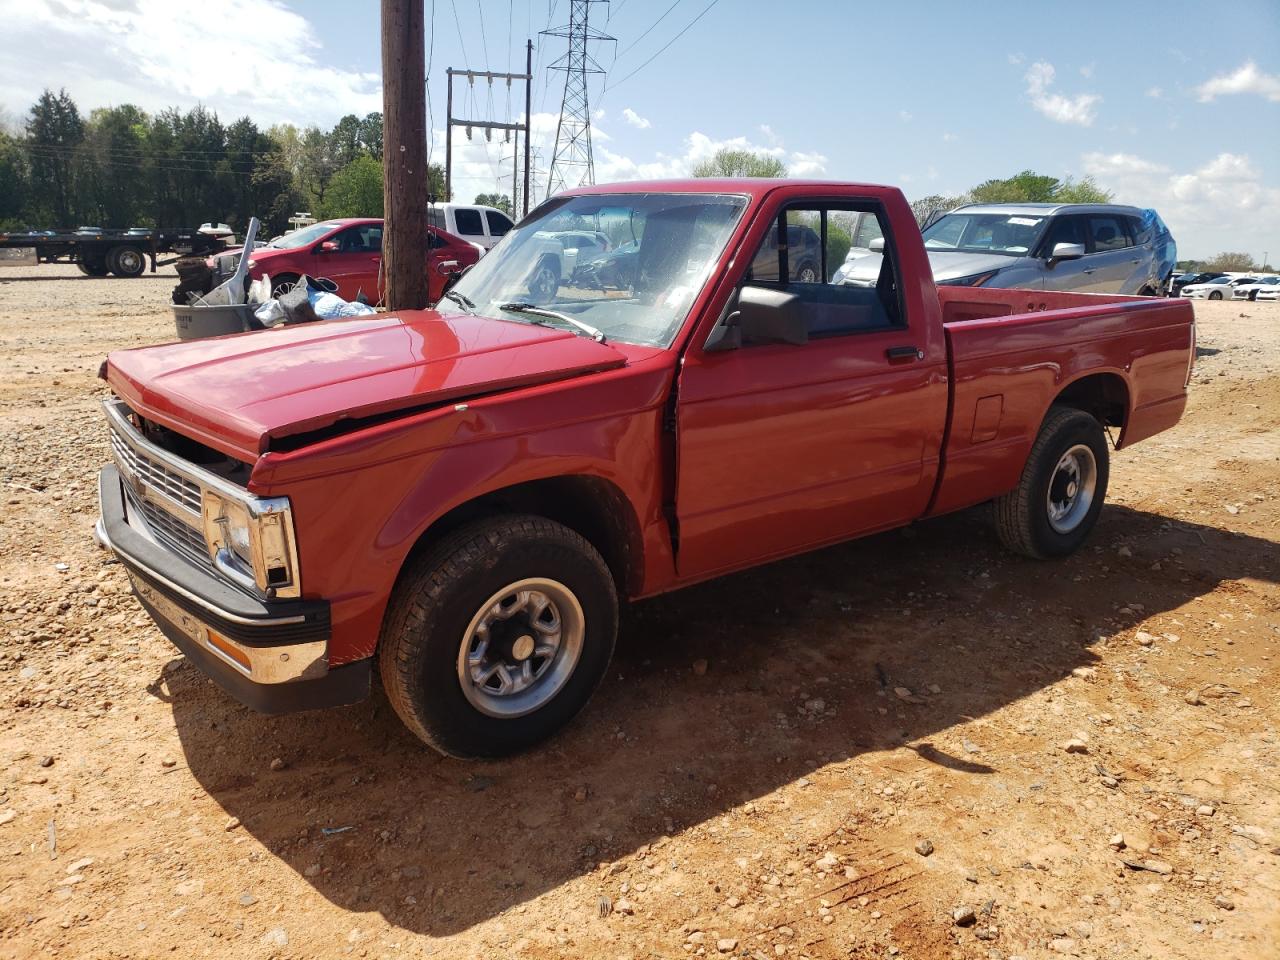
[[518, 306], [461, 300]]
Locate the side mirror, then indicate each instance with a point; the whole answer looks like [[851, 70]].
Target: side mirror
[[760, 316], [876, 245], [329, 246], [1066, 251]]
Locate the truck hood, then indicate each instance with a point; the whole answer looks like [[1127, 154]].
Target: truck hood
[[238, 393]]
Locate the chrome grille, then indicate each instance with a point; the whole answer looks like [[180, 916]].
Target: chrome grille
[[155, 476], [186, 539]]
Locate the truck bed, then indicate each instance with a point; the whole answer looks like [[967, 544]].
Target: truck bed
[[1012, 351]]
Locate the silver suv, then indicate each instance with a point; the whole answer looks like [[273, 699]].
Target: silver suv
[[1088, 247]]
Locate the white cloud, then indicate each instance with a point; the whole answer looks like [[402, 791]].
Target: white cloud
[[698, 147], [1016, 58], [950, 137], [1222, 205], [1247, 79], [252, 57], [1155, 93], [1087, 70], [635, 119], [905, 116], [1078, 109]]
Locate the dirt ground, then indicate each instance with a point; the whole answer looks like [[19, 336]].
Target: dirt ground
[[771, 801]]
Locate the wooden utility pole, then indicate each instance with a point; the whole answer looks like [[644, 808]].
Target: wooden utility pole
[[404, 155]]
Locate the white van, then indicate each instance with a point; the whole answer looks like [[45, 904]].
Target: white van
[[484, 226]]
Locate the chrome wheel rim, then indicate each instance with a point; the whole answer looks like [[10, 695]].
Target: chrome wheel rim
[[129, 260], [521, 647], [1071, 488], [281, 287], [808, 275], [543, 285]]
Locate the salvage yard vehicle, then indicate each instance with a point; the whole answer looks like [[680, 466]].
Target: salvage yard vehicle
[[483, 226], [1219, 288], [121, 253], [1250, 291], [1085, 247], [348, 252], [462, 499]]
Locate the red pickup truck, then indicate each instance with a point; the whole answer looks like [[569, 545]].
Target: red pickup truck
[[463, 498]]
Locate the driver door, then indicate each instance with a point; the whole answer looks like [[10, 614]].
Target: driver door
[[784, 447], [354, 265]]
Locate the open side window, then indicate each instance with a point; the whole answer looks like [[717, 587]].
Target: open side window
[[803, 253]]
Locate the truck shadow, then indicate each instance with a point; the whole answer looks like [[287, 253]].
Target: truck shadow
[[802, 661]]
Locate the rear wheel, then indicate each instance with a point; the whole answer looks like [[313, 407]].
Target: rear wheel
[[807, 273], [93, 267], [1063, 485], [126, 261], [496, 638]]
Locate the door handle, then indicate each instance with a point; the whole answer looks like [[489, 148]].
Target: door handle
[[904, 354]]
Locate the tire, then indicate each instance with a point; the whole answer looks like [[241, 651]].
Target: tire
[[1216, 295], [1028, 518], [807, 272], [448, 602], [1253, 296], [93, 268], [544, 282], [283, 284], [126, 261]]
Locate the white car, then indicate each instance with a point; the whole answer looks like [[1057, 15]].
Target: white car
[[1220, 288], [1269, 293], [1250, 291]]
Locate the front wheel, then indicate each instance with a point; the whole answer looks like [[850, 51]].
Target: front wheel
[[495, 639], [1216, 295], [282, 284], [1064, 482], [544, 282], [807, 273]]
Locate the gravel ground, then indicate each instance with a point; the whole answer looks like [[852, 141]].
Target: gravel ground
[[911, 746]]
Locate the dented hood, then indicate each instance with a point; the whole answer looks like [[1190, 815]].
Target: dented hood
[[238, 393]]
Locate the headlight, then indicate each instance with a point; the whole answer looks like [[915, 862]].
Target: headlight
[[252, 263], [973, 280], [252, 543]]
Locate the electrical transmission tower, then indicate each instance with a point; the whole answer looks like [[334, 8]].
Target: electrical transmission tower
[[571, 164]]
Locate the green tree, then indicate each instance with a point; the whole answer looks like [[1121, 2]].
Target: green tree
[[371, 135], [1031, 187], [355, 190], [740, 163], [55, 131], [14, 182], [435, 183], [1229, 261], [109, 189], [499, 201]]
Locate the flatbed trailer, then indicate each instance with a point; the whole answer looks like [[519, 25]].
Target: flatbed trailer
[[121, 253]]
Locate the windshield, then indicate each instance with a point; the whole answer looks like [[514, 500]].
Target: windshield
[[300, 238], [628, 265], [1010, 235]]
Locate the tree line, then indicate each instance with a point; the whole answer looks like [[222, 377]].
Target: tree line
[[121, 167]]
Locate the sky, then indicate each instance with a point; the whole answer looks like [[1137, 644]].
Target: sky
[[1173, 105]]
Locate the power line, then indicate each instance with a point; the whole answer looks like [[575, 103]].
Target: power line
[[624, 50], [484, 43], [461, 43], [707, 10]]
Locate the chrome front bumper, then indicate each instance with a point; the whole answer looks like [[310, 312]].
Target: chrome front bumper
[[271, 655]]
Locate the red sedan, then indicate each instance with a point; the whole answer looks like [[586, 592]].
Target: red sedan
[[349, 252]]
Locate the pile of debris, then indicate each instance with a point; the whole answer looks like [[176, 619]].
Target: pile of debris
[[235, 305]]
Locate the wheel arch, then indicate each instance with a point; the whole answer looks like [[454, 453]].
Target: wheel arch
[[1105, 396], [592, 506]]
